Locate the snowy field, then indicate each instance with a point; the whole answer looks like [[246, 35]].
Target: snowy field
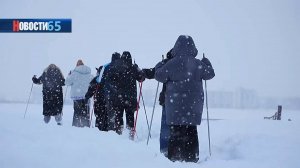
[[240, 139]]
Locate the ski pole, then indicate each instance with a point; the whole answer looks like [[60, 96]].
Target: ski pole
[[88, 111], [64, 100], [137, 108], [153, 108], [94, 95], [153, 112], [92, 117], [146, 113], [66, 93], [206, 103], [28, 100]]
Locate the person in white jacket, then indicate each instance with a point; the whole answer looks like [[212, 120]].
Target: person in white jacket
[[79, 80]]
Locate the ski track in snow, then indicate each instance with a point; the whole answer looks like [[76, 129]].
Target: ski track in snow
[[241, 139]]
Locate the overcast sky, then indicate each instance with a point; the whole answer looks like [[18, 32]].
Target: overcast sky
[[253, 44]]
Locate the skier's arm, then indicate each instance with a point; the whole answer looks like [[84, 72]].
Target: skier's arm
[[161, 72], [92, 88], [38, 80], [149, 73], [209, 72], [138, 73]]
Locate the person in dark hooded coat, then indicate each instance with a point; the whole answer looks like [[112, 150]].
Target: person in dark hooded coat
[[52, 80], [97, 89], [184, 97], [121, 91]]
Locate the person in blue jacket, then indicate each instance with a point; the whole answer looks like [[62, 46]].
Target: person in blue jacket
[[97, 90]]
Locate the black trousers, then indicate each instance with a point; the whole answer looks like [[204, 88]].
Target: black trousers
[[101, 117], [183, 143], [129, 117], [115, 111], [119, 123], [164, 133], [81, 117]]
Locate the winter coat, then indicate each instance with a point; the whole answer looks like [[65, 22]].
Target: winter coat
[[183, 77], [120, 84], [96, 89], [52, 80], [79, 80]]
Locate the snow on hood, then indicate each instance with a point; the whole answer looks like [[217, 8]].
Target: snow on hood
[[184, 46]]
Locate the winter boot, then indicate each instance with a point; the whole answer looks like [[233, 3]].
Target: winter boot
[[47, 119], [119, 129], [58, 119], [131, 133]]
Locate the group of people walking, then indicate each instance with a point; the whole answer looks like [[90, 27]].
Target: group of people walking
[[114, 92]]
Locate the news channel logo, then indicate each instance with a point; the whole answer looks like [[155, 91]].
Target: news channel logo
[[35, 25]]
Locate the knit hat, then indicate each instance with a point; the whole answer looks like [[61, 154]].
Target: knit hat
[[79, 62]]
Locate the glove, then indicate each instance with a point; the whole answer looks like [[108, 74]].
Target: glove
[[34, 79], [141, 76], [142, 79], [206, 61], [99, 70], [164, 61], [161, 98]]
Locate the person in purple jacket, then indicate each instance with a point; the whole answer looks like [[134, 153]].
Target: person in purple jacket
[[184, 97]]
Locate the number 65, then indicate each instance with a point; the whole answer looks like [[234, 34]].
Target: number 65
[[56, 27]]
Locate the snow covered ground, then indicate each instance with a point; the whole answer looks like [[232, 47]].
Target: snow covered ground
[[240, 139]]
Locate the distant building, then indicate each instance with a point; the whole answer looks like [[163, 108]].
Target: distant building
[[245, 98]]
